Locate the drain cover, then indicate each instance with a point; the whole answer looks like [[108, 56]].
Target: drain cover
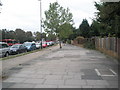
[[105, 72]]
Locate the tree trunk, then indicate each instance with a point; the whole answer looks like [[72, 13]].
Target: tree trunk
[[60, 44]]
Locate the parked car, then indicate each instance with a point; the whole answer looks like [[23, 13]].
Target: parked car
[[52, 42], [44, 44], [4, 49], [48, 43], [38, 45], [17, 48], [30, 46]]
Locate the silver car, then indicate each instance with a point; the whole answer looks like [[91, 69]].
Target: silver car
[[4, 49]]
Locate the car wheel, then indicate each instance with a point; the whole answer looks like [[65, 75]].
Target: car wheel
[[6, 54]]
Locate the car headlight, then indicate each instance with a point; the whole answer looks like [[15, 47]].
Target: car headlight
[[14, 50]]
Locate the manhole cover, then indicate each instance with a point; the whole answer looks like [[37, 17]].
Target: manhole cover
[[105, 72]]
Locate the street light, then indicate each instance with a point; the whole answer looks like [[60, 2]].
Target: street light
[[41, 22]]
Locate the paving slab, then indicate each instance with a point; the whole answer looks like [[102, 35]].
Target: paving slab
[[22, 85], [69, 67], [75, 82]]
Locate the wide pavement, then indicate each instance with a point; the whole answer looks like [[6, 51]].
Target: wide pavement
[[69, 67]]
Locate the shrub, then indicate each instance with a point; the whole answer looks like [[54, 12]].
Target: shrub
[[89, 45], [69, 41]]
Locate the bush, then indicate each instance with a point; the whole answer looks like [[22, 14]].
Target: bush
[[69, 41], [80, 40], [89, 45]]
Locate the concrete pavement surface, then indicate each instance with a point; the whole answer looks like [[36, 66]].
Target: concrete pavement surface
[[69, 67]]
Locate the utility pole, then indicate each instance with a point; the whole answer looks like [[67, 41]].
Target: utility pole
[[41, 22]]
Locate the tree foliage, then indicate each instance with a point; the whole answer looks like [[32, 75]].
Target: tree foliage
[[51, 37], [84, 29], [66, 31], [38, 36], [108, 17], [18, 34], [57, 20]]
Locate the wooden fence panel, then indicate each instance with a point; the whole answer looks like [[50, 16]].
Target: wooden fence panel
[[109, 45]]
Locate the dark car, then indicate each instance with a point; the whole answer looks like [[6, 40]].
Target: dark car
[[30, 46], [17, 48]]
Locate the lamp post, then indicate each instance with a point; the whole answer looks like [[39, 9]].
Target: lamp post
[[40, 22]]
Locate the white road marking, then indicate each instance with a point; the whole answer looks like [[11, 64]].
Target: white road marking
[[113, 72], [98, 73]]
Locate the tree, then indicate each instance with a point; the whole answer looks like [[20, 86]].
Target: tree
[[51, 37], [29, 36], [37, 36], [20, 35], [4, 33], [84, 29], [74, 34], [94, 29], [44, 36], [56, 19], [108, 17], [66, 31]]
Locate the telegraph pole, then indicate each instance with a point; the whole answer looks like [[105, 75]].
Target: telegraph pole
[[41, 22]]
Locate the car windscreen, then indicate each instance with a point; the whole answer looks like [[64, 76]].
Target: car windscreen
[[15, 46], [27, 44]]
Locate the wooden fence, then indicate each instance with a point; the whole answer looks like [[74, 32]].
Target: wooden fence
[[108, 45]]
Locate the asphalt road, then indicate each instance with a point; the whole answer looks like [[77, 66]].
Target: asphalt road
[[69, 67]]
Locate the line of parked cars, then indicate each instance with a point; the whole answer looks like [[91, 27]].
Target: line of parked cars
[[6, 50]]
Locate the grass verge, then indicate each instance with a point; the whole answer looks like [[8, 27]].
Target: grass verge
[[17, 55]]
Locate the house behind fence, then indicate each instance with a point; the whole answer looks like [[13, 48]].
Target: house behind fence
[[108, 45]]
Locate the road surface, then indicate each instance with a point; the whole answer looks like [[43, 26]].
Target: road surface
[[69, 67]]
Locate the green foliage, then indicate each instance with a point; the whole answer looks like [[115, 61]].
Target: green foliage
[[74, 34], [51, 37], [18, 34], [69, 41], [38, 36], [95, 29], [58, 20], [84, 29], [89, 45], [29, 36], [66, 30], [108, 17]]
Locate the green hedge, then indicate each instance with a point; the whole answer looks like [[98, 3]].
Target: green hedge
[[89, 45]]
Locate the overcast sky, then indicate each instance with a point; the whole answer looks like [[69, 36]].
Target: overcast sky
[[24, 14]]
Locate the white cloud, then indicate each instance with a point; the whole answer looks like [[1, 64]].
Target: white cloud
[[24, 14]]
